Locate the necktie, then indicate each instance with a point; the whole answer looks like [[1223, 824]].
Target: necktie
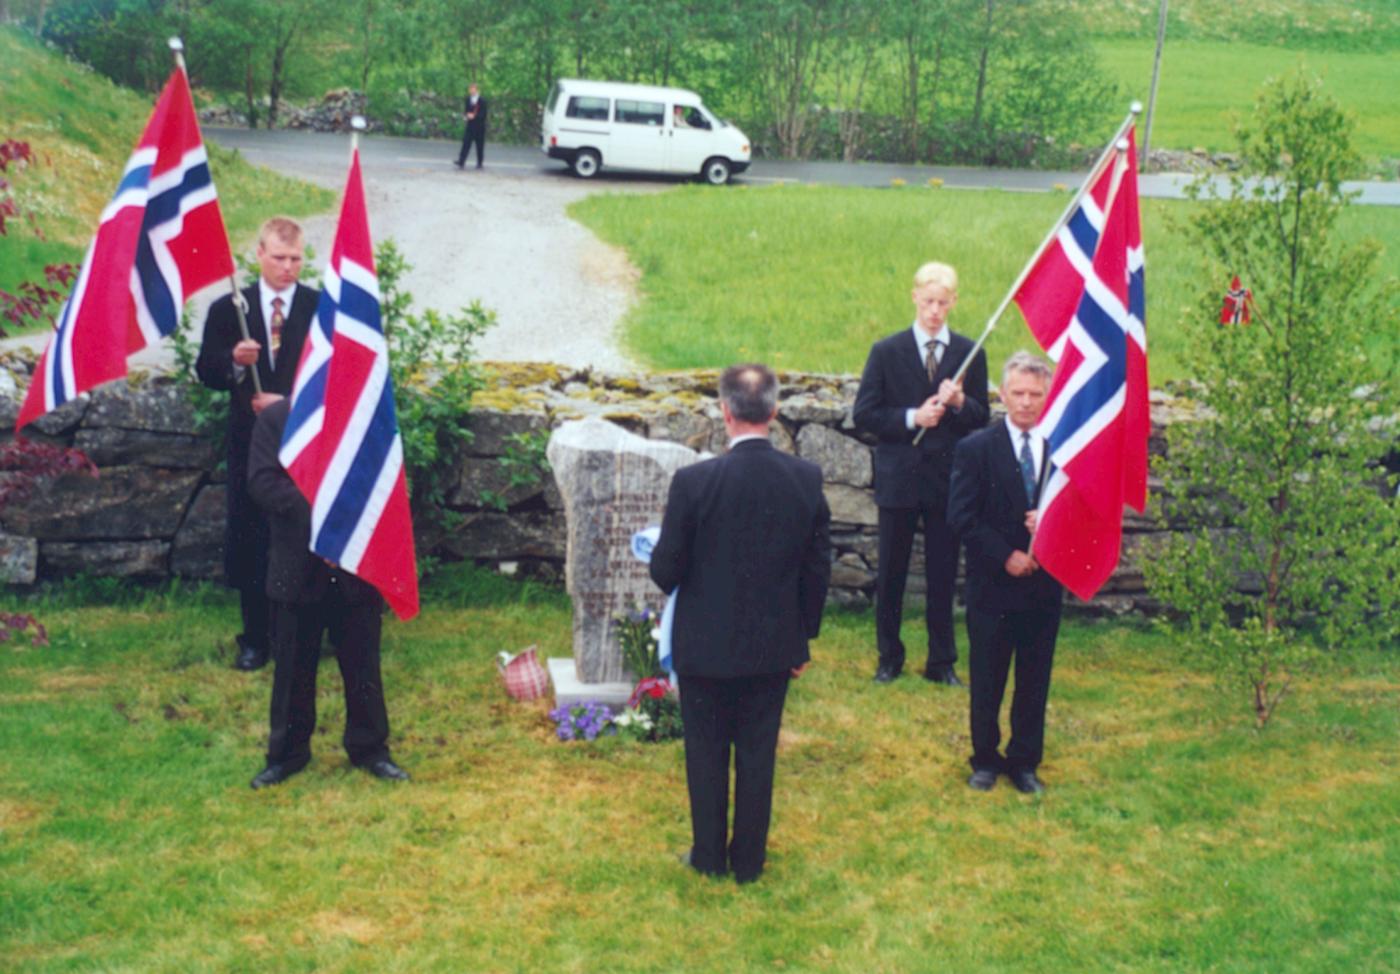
[[932, 358], [278, 320], [1027, 467]]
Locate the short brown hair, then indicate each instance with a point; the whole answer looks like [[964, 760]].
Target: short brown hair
[[750, 391], [283, 228]]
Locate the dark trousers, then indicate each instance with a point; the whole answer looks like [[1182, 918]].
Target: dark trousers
[[897, 526], [472, 135], [296, 648], [256, 610], [993, 640], [743, 714]]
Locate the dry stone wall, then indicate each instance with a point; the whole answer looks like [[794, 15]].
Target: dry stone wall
[[156, 509]]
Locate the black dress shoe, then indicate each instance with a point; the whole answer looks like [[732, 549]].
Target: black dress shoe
[[886, 674], [944, 675], [386, 770], [274, 774], [983, 779], [457, 163], [1026, 782], [249, 657], [687, 859]]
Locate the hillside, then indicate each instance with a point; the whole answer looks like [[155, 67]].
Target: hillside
[[82, 128]]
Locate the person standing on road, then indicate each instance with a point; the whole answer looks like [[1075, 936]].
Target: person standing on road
[[907, 389], [279, 315], [475, 114]]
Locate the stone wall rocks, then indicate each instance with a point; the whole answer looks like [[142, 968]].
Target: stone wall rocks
[[157, 508]]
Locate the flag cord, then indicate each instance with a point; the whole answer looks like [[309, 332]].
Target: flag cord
[[1108, 154]]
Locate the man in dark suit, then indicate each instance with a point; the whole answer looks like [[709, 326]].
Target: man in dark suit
[[1013, 607], [746, 539], [474, 112], [279, 313], [307, 594], [907, 390]]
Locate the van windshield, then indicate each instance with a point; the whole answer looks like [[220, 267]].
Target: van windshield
[[715, 120]]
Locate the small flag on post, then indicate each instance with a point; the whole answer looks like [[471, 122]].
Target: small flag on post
[[341, 445], [1239, 302], [1085, 303], [160, 239]]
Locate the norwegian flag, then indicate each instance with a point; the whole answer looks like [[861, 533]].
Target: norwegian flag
[[342, 445], [1085, 303], [161, 238], [1238, 303]]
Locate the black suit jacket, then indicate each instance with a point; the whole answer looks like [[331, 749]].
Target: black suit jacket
[[987, 508], [243, 556], [895, 381], [746, 536], [477, 124], [294, 574]]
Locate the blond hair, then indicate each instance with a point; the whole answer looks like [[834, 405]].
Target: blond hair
[[283, 228], [935, 273]]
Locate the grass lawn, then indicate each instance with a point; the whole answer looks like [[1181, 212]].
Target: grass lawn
[[82, 129], [1206, 84], [1173, 837], [806, 277]]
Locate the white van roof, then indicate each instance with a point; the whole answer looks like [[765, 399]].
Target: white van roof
[[623, 89]]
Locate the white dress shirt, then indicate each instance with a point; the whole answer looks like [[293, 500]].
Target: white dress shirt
[[921, 339]]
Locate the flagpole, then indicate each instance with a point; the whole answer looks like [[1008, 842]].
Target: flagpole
[[240, 304], [1108, 153]]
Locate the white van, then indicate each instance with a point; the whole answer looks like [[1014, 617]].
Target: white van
[[590, 124]]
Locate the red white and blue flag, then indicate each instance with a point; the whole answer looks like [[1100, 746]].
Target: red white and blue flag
[[341, 444], [1084, 301], [160, 239]]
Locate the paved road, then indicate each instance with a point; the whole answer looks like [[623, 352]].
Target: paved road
[[323, 156]]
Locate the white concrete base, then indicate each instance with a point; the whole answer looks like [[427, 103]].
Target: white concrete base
[[570, 690]]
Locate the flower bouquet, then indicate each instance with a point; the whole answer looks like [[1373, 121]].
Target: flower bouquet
[[582, 721], [653, 713]]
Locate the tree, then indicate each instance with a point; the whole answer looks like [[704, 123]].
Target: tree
[[1278, 484]]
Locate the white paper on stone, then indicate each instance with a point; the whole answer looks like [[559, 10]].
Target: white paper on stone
[[614, 484]]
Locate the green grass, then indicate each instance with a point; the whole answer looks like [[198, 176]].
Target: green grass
[[1173, 837], [806, 277], [82, 129], [1206, 85]]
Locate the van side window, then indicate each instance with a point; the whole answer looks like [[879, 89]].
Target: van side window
[[641, 112], [587, 107]]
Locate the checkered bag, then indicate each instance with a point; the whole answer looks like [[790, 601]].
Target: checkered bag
[[524, 677]]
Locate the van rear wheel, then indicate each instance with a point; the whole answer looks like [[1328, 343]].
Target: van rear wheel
[[586, 163], [716, 171]]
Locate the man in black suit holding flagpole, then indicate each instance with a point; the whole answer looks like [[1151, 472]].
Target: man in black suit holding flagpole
[[746, 539], [256, 371], [1013, 606], [908, 399]]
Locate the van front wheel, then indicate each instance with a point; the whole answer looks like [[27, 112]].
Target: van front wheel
[[586, 164], [716, 171]]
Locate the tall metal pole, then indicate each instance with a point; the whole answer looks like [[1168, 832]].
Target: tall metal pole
[[1109, 154], [1152, 95]]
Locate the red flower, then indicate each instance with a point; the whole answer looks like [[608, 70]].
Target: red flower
[[655, 687]]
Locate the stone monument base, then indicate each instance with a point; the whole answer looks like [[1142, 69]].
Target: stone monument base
[[570, 690]]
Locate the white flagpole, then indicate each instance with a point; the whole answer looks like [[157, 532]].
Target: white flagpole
[[240, 305], [1108, 153]]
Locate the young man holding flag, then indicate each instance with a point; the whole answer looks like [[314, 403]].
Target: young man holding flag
[[278, 318], [326, 465]]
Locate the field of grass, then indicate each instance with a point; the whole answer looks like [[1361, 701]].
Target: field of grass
[[806, 277], [82, 129], [1206, 85], [1172, 838]]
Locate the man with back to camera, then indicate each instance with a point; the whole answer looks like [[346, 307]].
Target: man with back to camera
[[474, 113], [279, 315], [746, 539], [907, 388], [1013, 606]]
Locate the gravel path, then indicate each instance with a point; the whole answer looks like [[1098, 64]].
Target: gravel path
[[499, 235]]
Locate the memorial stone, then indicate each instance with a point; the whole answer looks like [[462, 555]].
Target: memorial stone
[[613, 484]]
